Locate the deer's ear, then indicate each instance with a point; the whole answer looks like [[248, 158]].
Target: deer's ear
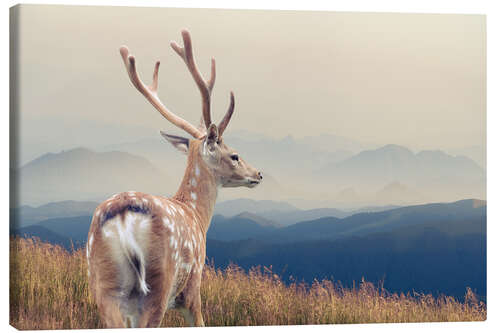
[[179, 142]]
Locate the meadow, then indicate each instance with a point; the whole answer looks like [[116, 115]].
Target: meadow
[[49, 290]]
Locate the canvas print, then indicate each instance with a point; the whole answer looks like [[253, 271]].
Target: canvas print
[[277, 168]]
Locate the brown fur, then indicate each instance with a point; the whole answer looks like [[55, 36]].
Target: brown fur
[[193, 224]]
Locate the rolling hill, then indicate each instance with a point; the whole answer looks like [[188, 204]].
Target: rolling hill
[[26, 215], [243, 226], [237, 206], [66, 231], [44, 234], [331, 228]]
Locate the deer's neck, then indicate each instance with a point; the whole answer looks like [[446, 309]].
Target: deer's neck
[[198, 188]]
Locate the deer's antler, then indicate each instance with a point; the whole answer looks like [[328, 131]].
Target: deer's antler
[[151, 93], [223, 123], [205, 87]]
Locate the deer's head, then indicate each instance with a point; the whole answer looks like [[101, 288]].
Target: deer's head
[[229, 169]]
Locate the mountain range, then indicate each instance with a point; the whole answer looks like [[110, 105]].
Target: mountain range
[[434, 248], [426, 175], [242, 226], [266, 212], [332, 228], [390, 175], [27, 215], [246, 225]]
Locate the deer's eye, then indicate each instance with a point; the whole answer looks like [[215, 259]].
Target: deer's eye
[[235, 157]]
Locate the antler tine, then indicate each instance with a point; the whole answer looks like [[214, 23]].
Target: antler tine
[[223, 123], [151, 93], [205, 87]]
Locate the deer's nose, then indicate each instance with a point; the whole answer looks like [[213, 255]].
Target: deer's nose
[[260, 175]]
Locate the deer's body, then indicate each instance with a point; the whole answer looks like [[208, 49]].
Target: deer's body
[[146, 253], [150, 243]]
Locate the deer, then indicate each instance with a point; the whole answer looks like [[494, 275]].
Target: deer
[[146, 253]]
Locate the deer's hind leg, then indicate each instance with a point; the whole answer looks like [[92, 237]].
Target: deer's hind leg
[[160, 280], [188, 303], [109, 306], [154, 310]]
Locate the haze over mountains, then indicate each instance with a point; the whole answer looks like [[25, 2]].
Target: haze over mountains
[[312, 172]]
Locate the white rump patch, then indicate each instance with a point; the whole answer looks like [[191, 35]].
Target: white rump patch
[[145, 224], [197, 170], [107, 233], [128, 242], [193, 195]]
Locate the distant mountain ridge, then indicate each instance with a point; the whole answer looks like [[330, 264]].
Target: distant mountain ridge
[[26, 215], [394, 162], [239, 227], [433, 175], [250, 225], [237, 206], [284, 213], [258, 219], [331, 228], [265, 213], [85, 175]]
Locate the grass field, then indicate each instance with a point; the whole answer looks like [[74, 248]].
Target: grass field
[[49, 290]]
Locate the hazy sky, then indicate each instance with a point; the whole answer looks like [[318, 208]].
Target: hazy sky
[[412, 79]]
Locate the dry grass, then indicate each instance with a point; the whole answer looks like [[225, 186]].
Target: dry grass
[[49, 290]]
